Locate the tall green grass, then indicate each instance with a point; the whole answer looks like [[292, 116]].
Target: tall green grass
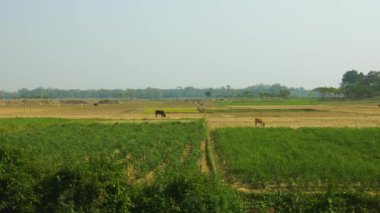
[[56, 143], [59, 165], [302, 158]]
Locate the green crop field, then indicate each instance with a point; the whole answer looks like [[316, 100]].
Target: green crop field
[[104, 165], [246, 110], [144, 147], [263, 102], [63, 165], [308, 159]]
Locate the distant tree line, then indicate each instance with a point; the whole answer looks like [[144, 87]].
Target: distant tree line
[[260, 90], [354, 85], [359, 85], [329, 92]]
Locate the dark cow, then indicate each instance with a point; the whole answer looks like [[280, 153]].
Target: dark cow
[[259, 121], [95, 104], [160, 112]]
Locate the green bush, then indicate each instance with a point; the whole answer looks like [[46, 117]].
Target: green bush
[[16, 182], [85, 188], [187, 193]]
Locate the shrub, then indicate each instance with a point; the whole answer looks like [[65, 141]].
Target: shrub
[[187, 193], [85, 189], [16, 182]]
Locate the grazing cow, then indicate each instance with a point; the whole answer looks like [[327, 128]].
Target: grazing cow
[[95, 104], [259, 121], [160, 112]]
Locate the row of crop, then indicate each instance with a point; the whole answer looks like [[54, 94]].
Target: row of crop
[[99, 186], [143, 146], [304, 159], [50, 165], [312, 202]]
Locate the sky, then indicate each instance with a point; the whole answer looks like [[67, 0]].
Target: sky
[[93, 44]]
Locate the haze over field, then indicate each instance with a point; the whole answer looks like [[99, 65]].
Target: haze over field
[[137, 44]]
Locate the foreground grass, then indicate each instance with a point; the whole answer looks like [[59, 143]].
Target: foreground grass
[[305, 158], [50, 165], [61, 165]]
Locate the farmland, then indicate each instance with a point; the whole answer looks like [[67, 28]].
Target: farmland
[[77, 165], [138, 149], [302, 159], [219, 113], [70, 155]]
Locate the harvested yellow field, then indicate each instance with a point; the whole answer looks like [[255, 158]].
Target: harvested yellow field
[[323, 114]]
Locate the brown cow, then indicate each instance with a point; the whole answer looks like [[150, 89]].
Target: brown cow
[[259, 121]]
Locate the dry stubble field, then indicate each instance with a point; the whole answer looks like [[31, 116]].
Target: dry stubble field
[[219, 113]]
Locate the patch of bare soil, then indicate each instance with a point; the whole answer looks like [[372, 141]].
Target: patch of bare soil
[[148, 178], [130, 173], [203, 165], [245, 188], [268, 210], [185, 153], [151, 176]]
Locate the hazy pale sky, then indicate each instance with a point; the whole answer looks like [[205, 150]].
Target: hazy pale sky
[[169, 43]]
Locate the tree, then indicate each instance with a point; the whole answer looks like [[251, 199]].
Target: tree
[[359, 91], [372, 79], [284, 93], [328, 92], [351, 77], [208, 93], [358, 85]]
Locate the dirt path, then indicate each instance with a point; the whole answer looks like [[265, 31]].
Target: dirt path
[[203, 164]]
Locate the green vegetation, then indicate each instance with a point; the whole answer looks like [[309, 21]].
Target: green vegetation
[[354, 85], [259, 90], [302, 159], [329, 92], [312, 202], [62, 165], [242, 110], [260, 102], [57, 165], [359, 85], [226, 110], [172, 110]]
